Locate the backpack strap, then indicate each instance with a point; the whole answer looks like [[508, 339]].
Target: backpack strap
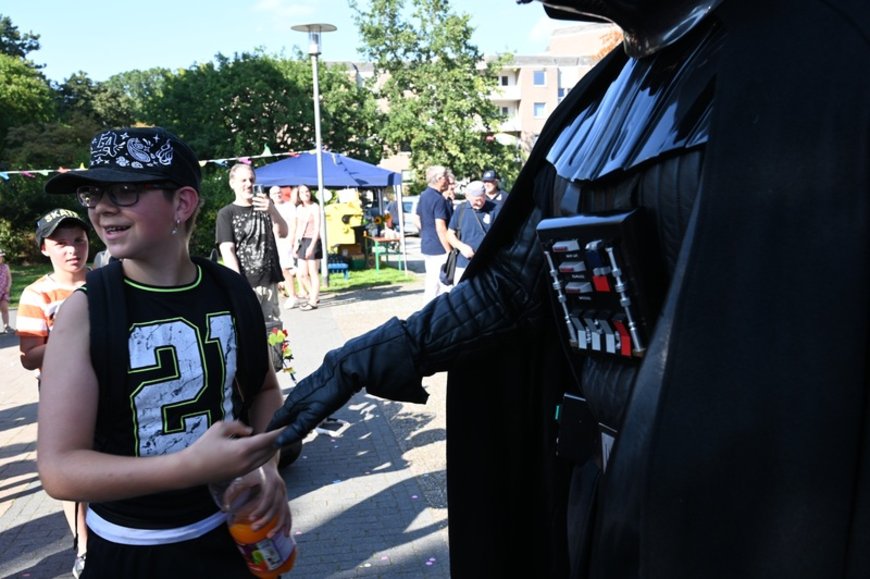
[[252, 361], [459, 221], [476, 216], [108, 336]]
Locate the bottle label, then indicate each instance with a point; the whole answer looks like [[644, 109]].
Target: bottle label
[[268, 554]]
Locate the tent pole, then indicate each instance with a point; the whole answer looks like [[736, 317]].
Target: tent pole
[[400, 209], [324, 262]]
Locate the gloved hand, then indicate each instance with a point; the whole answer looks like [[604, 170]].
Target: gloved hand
[[390, 361], [382, 360]]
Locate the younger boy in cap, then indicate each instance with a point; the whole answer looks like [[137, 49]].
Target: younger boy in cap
[[141, 437], [62, 236]]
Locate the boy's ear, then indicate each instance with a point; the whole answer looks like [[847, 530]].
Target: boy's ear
[[188, 201]]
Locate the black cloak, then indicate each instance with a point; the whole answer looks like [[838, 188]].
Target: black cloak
[[745, 449]]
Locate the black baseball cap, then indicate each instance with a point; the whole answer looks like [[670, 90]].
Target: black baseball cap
[[49, 222], [133, 155], [489, 175]]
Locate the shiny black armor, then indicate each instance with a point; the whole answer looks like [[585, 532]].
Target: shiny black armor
[[745, 171]]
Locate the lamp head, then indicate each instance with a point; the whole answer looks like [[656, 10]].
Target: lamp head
[[314, 31]]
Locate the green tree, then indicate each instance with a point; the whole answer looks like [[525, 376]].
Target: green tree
[[350, 122], [131, 95], [229, 107], [236, 106], [112, 103], [51, 145], [82, 108], [13, 43], [437, 86], [25, 96], [76, 95]]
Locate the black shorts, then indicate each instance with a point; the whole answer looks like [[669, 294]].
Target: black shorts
[[303, 247], [213, 555]]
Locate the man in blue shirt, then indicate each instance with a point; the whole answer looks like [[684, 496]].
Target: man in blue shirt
[[433, 214], [470, 224]]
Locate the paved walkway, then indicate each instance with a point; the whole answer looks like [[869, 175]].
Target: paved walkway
[[370, 503]]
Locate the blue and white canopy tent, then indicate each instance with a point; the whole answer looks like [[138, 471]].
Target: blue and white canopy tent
[[338, 171]]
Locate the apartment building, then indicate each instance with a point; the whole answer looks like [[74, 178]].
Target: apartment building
[[530, 87]]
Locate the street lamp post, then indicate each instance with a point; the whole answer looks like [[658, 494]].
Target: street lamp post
[[314, 31]]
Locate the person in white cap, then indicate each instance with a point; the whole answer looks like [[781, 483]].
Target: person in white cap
[[470, 224]]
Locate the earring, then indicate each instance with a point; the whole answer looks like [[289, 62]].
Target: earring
[[175, 227]]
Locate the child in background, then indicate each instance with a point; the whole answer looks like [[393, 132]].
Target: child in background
[[62, 237], [5, 288], [140, 438]]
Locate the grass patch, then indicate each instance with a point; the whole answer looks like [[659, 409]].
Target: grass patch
[[368, 278], [23, 276]]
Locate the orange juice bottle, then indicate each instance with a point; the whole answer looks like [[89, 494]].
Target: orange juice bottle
[[267, 557]]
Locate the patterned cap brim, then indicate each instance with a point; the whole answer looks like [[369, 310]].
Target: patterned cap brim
[[66, 183]]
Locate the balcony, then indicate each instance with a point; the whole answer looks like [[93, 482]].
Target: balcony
[[511, 93], [511, 125]]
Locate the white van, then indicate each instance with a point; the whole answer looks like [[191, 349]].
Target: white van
[[409, 215]]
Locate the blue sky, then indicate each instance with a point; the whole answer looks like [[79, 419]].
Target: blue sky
[[104, 37]]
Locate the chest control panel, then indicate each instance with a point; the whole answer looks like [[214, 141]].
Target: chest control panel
[[605, 279]]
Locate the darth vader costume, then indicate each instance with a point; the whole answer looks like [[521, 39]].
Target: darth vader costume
[[711, 181]]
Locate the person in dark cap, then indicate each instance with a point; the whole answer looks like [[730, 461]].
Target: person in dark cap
[[672, 304], [492, 187], [150, 372], [62, 236]]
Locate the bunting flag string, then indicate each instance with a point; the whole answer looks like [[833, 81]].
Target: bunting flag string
[[247, 159]]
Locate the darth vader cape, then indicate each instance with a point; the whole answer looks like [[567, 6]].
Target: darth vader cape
[[745, 448]]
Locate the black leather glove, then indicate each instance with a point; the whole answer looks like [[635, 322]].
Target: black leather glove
[[391, 360], [382, 360]]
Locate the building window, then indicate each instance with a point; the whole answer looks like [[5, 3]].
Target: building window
[[504, 80], [561, 93], [539, 110], [505, 111], [539, 78]]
